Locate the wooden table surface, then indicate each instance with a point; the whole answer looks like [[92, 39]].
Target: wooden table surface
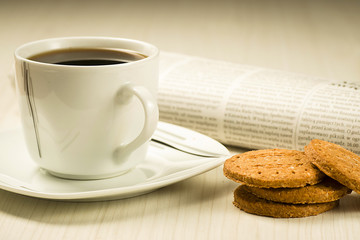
[[319, 37]]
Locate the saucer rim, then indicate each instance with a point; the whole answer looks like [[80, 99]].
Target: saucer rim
[[116, 192]]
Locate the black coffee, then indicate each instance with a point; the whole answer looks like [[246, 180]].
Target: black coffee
[[88, 56]]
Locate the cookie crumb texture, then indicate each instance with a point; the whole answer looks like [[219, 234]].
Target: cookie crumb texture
[[254, 205], [272, 168], [336, 162]]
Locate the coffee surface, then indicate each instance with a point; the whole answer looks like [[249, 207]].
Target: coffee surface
[[88, 56]]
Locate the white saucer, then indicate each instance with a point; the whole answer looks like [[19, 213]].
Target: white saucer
[[163, 166]]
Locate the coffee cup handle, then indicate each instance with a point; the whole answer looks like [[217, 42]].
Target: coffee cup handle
[[151, 117]]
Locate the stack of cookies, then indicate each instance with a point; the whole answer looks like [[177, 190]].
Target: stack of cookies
[[288, 183]]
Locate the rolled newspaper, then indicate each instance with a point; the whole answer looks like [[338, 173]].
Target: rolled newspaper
[[257, 108]]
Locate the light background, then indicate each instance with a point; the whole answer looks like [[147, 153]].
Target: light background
[[320, 37]]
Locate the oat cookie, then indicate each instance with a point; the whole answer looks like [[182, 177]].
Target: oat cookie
[[326, 191], [272, 168], [336, 162], [252, 204]]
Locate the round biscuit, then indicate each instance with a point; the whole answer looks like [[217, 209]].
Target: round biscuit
[[326, 191], [336, 162], [272, 168], [254, 205]]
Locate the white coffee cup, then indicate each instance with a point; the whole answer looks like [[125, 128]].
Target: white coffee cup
[[87, 122]]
